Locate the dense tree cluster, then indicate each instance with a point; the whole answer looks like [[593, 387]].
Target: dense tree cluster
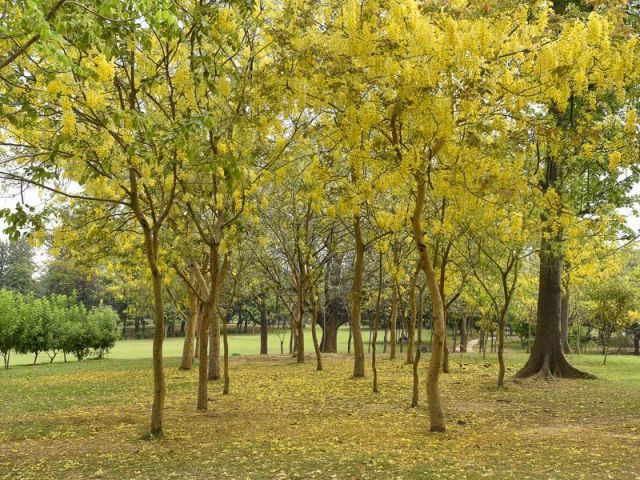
[[332, 161], [53, 325]]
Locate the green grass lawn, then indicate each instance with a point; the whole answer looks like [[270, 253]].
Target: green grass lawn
[[239, 344], [84, 420]]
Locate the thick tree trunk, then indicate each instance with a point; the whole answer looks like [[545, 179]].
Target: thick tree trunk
[[564, 321], [187, 348], [356, 301], [436, 413], [546, 358], [393, 340], [329, 342], [636, 344]]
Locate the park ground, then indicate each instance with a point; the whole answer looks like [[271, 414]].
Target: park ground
[[282, 420]]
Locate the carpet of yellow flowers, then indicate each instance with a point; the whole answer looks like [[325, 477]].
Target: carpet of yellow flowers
[[282, 420]]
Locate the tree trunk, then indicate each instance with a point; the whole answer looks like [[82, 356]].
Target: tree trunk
[[436, 414], [501, 323], [203, 363], [374, 345], [264, 327], [225, 343], [415, 398], [393, 341], [209, 313], [196, 351], [564, 321], [636, 344], [187, 348], [329, 342], [546, 358], [314, 333], [214, 342], [298, 322], [464, 335], [356, 301], [411, 327], [157, 408]]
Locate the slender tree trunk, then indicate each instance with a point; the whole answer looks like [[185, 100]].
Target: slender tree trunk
[[264, 327], [393, 340], [203, 358], [299, 322], [196, 351], [445, 350], [436, 413], [416, 359], [314, 333], [636, 344], [225, 343], [501, 366], [157, 409], [356, 301], [374, 345], [214, 341], [385, 340], [187, 348], [464, 336], [216, 273], [411, 327]]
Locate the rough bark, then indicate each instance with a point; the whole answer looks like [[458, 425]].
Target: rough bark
[[356, 300]]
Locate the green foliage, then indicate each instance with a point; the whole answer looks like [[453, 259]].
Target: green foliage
[[16, 265], [54, 324]]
